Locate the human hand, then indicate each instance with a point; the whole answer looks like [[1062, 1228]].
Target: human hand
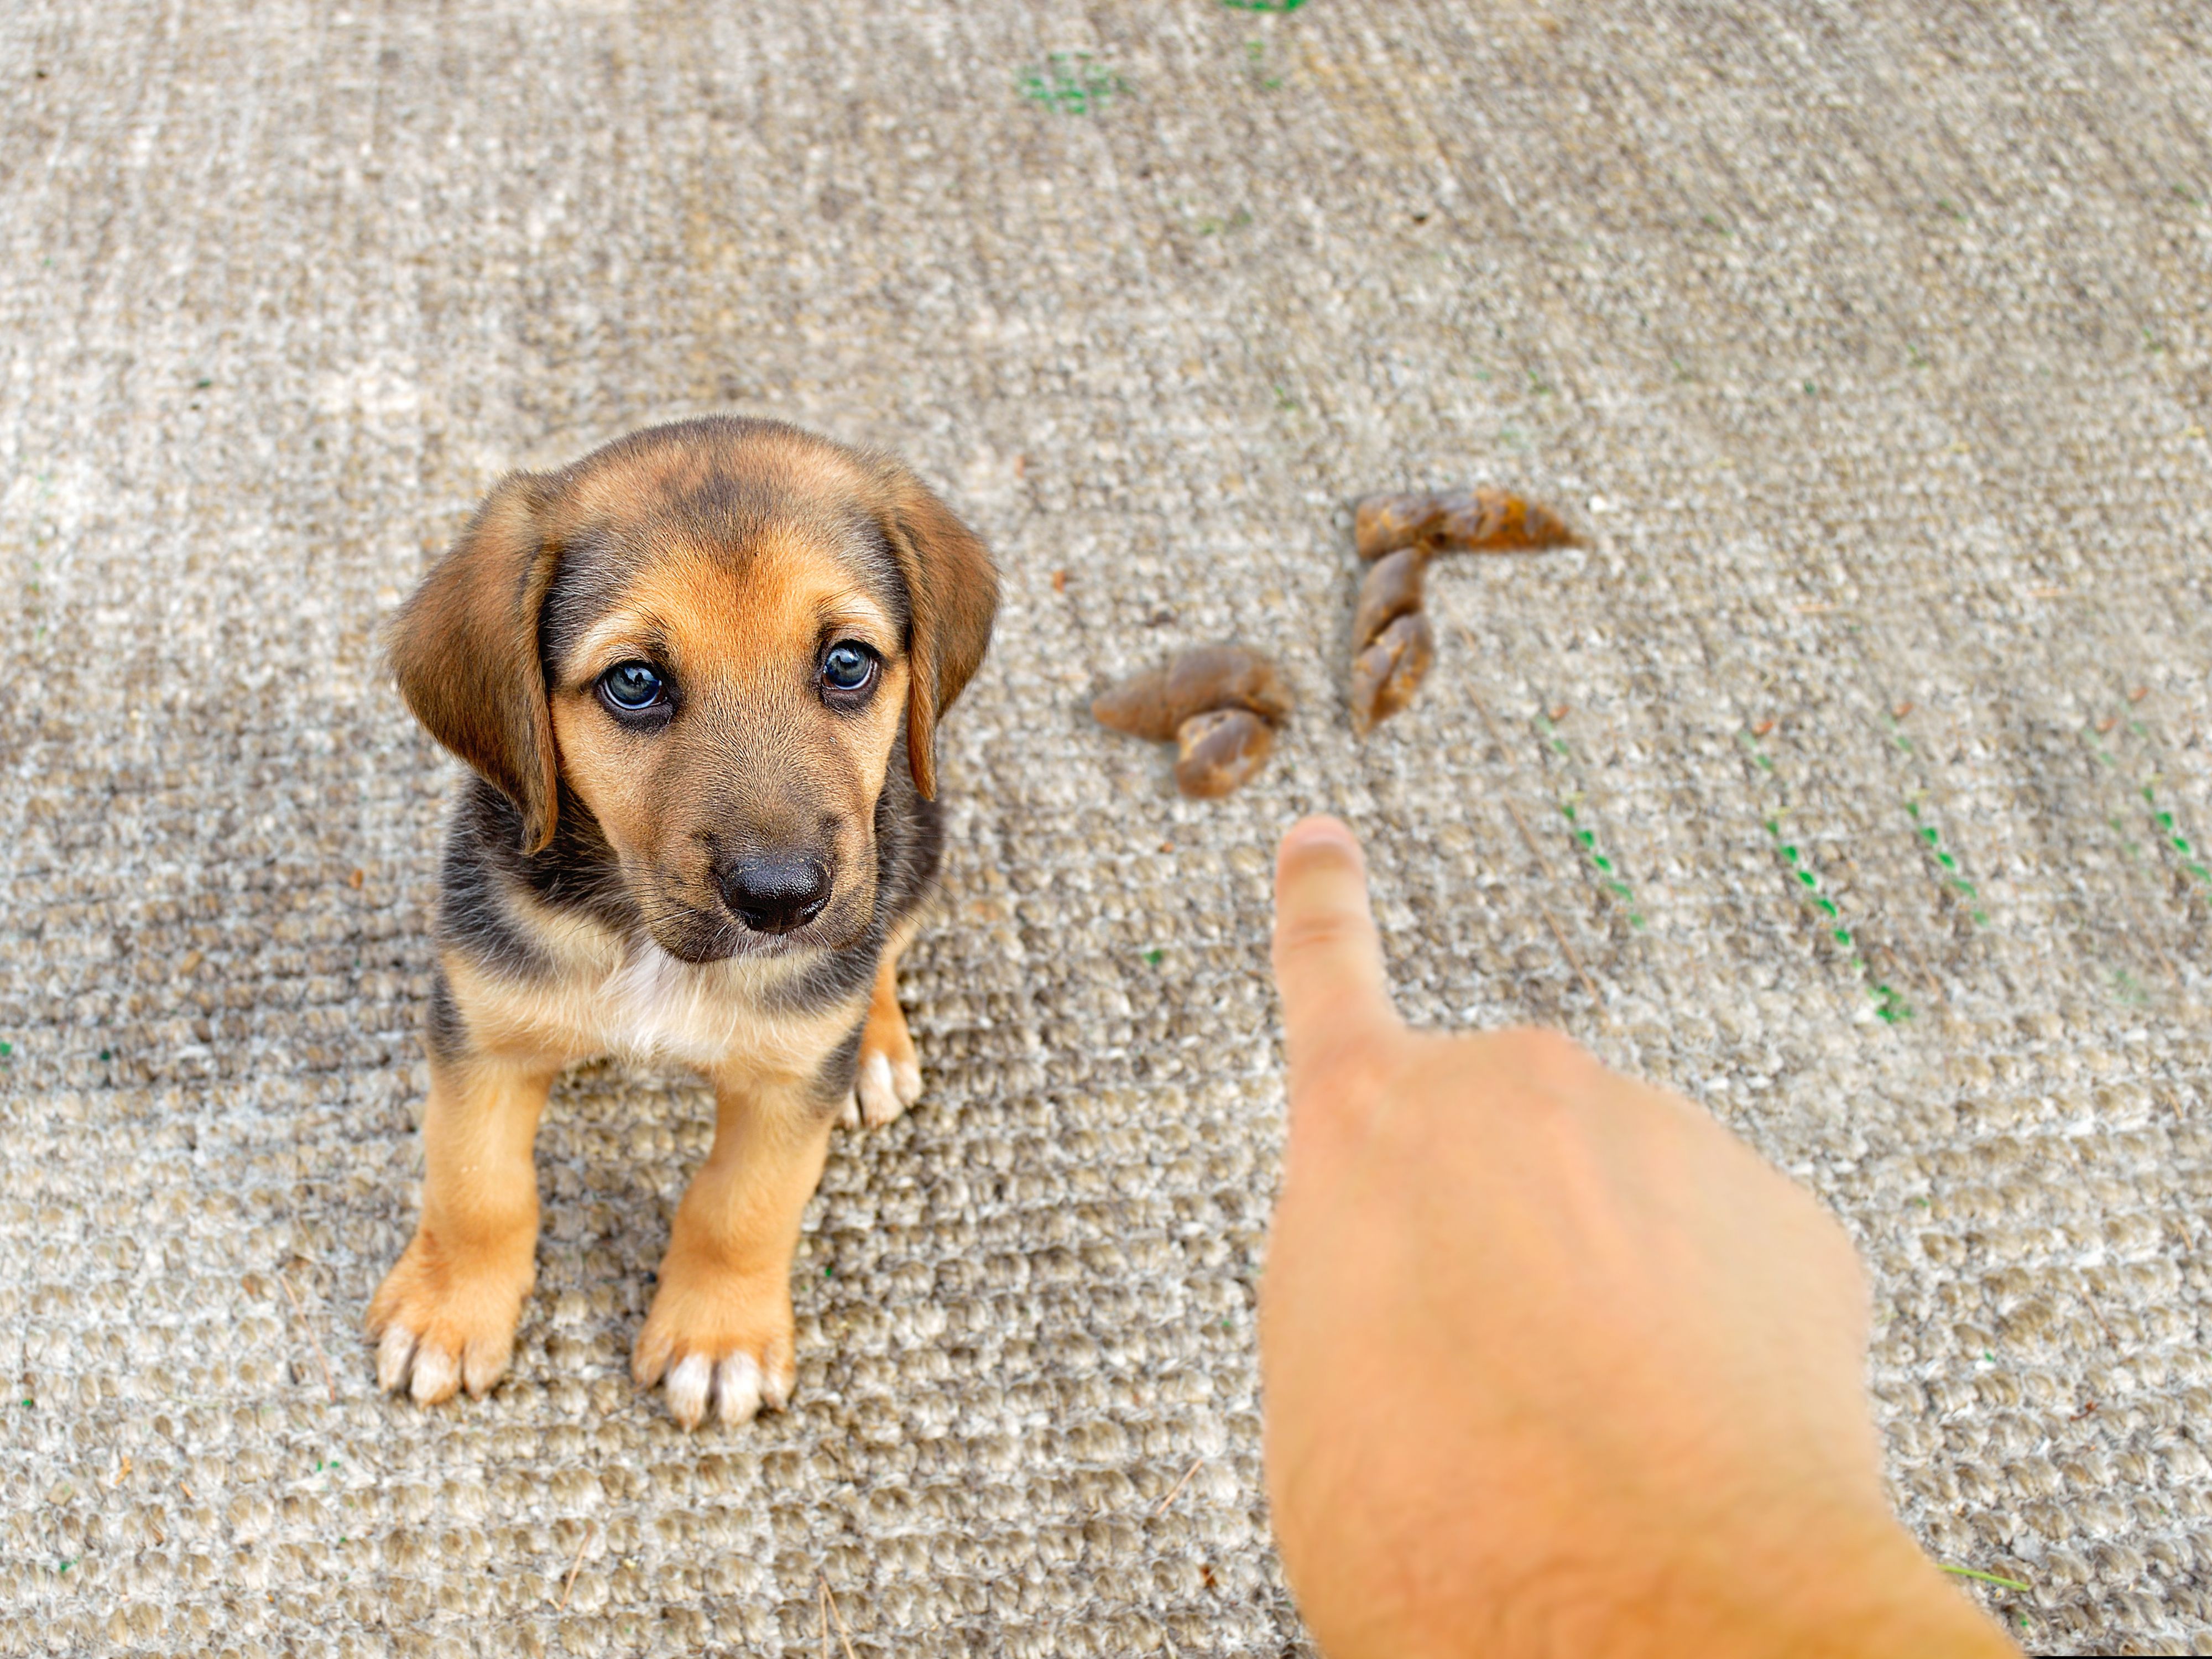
[[1553, 1362]]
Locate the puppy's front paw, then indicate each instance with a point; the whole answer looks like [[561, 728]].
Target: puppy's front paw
[[888, 1079], [444, 1321], [719, 1341]]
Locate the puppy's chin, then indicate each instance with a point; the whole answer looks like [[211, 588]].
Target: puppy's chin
[[700, 940], [698, 936]]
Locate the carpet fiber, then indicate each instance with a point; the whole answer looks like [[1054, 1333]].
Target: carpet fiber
[[1852, 779]]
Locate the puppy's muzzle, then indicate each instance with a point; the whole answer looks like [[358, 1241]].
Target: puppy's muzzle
[[775, 892]]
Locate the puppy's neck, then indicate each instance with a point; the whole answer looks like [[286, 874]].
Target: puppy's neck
[[577, 871]]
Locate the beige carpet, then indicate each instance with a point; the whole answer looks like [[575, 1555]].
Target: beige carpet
[[1871, 344]]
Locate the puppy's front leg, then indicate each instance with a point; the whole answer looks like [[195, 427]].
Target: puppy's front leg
[[720, 1330], [888, 1079], [446, 1313]]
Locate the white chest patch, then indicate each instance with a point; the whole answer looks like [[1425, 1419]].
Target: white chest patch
[[654, 1007]]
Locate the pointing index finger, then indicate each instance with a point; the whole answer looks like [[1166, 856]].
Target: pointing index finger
[[1328, 958]]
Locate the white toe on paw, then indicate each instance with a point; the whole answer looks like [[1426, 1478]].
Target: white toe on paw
[[878, 1091], [849, 1115], [689, 1383], [738, 1389], [436, 1374], [906, 1080], [776, 1386], [393, 1350], [735, 1391]]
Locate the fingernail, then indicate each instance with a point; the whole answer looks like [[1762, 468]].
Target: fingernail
[[1315, 831]]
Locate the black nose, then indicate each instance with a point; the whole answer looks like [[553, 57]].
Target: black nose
[[776, 892]]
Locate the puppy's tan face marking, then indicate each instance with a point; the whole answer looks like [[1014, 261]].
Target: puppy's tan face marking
[[740, 802]]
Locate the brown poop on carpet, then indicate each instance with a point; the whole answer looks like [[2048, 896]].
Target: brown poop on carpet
[[1220, 703], [1460, 520], [1392, 643]]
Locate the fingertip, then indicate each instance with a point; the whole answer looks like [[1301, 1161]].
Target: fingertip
[[1320, 877], [1319, 836], [1327, 956]]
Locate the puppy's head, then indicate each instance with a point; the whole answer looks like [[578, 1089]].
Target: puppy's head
[[714, 638]]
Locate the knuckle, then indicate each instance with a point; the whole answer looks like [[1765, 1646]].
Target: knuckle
[[1360, 1073], [1317, 931], [1351, 1078]]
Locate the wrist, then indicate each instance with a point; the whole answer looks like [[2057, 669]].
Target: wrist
[[1844, 1585], [1841, 1586]]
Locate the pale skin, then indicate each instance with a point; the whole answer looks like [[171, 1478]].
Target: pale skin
[[720, 1330], [1553, 1362]]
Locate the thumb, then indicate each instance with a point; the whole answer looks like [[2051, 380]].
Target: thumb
[[1328, 959]]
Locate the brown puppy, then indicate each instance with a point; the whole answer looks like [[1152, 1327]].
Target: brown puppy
[[698, 675]]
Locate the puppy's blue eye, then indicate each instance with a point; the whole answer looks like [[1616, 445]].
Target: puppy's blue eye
[[633, 687], [848, 667]]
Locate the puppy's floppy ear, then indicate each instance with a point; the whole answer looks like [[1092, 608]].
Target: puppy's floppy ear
[[464, 651], [953, 591]]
